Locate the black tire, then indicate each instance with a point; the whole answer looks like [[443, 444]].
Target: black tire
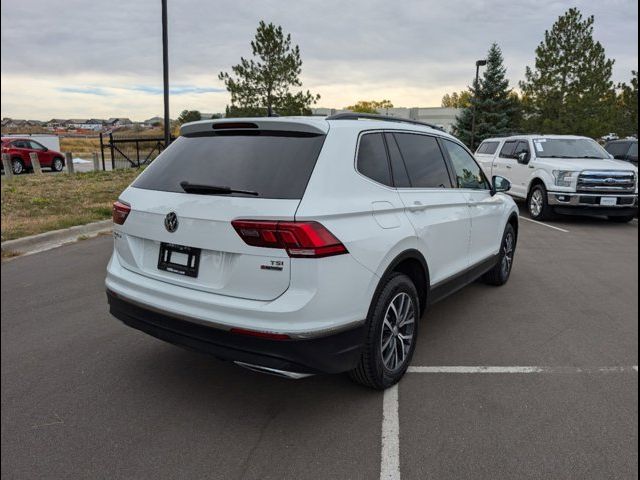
[[372, 371], [541, 210], [17, 166], [499, 275], [57, 164], [625, 219]]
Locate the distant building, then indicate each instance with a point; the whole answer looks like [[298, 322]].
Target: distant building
[[444, 118]]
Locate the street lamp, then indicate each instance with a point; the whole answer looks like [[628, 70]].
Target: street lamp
[[165, 75], [479, 63]]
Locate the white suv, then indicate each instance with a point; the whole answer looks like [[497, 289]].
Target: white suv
[[563, 174], [306, 245]]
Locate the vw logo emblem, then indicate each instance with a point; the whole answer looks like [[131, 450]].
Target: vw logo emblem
[[171, 222]]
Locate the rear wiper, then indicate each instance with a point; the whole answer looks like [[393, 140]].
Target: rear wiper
[[213, 189]]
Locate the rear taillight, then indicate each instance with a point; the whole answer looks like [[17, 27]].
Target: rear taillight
[[120, 212], [299, 239]]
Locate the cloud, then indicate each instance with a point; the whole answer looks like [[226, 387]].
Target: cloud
[[410, 51]]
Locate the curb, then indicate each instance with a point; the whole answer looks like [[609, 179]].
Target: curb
[[56, 238]]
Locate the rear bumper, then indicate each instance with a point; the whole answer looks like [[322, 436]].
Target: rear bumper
[[335, 353]]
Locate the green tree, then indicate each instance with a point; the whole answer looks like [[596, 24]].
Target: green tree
[[370, 106], [570, 89], [457, 100], [497, 107], [187, 116], [262, 85], [626, 109]]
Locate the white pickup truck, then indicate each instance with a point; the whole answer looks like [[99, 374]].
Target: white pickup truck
[[563, 174]]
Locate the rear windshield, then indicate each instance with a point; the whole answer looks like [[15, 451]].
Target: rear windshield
[[273, 164]]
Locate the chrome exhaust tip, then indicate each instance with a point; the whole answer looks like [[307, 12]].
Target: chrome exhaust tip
[[273, 371]]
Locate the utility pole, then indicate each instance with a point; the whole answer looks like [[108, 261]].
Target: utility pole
[[479, 63], [165, 74]]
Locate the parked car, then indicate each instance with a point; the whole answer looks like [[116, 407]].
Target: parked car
[[19, 149], [609, 137], [563, 174], [626, 150], [295, 246]]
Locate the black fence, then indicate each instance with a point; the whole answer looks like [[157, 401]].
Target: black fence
[[130, 151]]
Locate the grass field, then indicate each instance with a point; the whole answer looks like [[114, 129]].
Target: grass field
[[34, 204]]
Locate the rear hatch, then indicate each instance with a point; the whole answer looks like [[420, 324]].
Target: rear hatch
[[183, 204]]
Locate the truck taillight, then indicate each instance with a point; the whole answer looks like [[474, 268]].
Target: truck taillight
[[120, 212], [299, 239]]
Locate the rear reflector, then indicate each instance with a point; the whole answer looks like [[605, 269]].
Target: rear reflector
[[120, 212], [266, 335], [299, 239]]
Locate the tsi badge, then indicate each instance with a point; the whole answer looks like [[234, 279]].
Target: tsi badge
[[276, 265], [171, 222]]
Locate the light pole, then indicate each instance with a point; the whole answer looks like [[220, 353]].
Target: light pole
[[165, 75], [479, 63]]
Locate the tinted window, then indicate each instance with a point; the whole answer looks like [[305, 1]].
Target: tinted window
[[508, 149], [372, 158], [617, 149], [274, 164], [398, 168], [488, 148], [20, 144], [467, 171], [633, 152], [425, 164]]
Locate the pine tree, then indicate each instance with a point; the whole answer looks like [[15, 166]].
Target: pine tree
[[570, 88], [496, 105], [627, 107], [262, 85]]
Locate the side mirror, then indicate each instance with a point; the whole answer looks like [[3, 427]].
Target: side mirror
[[500, 185], [45, 149], [523, 158]]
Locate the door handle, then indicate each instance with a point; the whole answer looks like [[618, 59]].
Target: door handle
[[509, 167]]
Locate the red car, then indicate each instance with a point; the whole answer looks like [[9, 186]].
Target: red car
[[19, 150]]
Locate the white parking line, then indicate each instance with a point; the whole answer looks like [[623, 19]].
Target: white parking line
[[461, 369], [390, 459], [390, 454], [544, 224]]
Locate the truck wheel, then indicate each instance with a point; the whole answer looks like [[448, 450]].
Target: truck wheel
[[625, 219], [17, 166], [538, 204], [499, 275], [391, 335], [57, 165]]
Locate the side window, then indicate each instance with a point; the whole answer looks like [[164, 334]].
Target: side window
[[425, 163], [372, 158], [633, 152], [35, 145], [488, 148], [508, 149], [521, 147], [468, 172], [618, 149], [398, 168]]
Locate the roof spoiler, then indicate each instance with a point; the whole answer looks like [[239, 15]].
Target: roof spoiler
[[281, 124]]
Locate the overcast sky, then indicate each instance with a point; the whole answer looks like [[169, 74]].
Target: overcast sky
[[81, 58]]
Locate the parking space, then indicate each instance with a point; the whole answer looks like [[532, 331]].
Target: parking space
[[84, 396]]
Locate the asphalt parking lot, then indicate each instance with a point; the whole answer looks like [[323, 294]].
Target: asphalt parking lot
[[537, 379]]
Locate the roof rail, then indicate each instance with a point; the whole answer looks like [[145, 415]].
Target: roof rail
[[373, 116]]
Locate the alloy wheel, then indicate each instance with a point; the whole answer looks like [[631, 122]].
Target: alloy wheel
[[396, 338], [507, 253], [17, 167], [536, 203]]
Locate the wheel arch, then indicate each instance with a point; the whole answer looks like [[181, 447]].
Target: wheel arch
[[413, 264]]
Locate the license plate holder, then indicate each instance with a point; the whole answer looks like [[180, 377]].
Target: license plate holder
[[179, 259], [609, 201]]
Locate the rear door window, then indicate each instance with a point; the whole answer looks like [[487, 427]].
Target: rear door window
[[398, 168], [273, 164], [508, 149], [424, 160], [372, 158], [488, 148]]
